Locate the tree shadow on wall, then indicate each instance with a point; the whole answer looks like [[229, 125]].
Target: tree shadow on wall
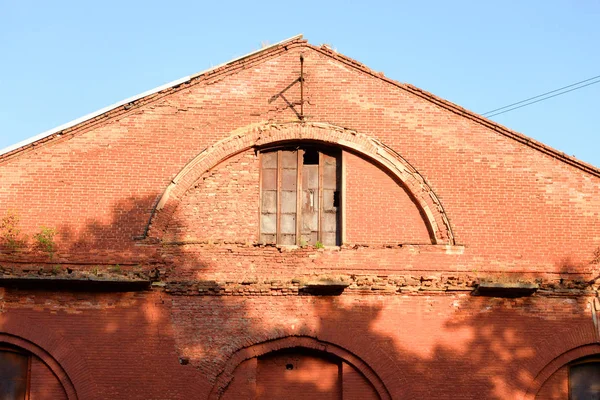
[[122, 339], [421, 345], [440, 346]]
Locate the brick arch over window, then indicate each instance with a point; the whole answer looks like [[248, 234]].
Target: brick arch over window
[[295, 342], [557, 363], [260, 135], [62, 359], [46, 358]]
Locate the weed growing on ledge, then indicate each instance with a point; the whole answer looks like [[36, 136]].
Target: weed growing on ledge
[[596, 259], [116, 269], [319, 245], [45, 240], [10, 233]]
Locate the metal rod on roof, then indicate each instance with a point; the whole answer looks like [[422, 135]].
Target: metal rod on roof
[[301, 87]]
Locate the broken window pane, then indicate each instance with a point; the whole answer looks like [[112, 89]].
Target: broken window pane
[[329, 200], [311, 157]]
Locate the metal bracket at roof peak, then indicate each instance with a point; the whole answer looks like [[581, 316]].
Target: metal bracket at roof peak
[[293, 104]]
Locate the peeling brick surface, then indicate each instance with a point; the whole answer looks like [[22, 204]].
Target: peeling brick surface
[[165, 190]]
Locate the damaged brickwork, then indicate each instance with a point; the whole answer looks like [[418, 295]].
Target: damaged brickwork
[[373, 284]]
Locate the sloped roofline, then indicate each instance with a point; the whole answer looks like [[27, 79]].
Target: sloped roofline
[[128, 100], [455, 108], [326, 50]]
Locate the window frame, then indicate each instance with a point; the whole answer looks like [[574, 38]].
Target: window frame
[[300, 149], [588, 360], [6, 348]]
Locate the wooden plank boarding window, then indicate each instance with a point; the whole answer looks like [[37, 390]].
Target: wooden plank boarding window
[[300, 196]]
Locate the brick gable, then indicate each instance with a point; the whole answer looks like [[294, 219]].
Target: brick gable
[[165, 190]]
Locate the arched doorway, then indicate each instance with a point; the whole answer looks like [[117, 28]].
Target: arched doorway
[[299, 374], [298, 368]]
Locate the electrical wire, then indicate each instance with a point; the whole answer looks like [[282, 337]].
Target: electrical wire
[[493, 112]]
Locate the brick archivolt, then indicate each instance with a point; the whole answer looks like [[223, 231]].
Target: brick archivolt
[[578, 350], [26, 334], [295, 342], [265, 134]]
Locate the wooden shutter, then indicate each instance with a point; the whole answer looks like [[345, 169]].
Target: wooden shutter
[[310, 201], [288, 196], [268, 216], [330, 199]]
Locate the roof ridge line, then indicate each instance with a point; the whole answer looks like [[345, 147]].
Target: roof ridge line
[[94, 114], [326, 50]]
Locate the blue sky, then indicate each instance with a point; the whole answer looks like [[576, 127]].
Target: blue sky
[[65, 59]]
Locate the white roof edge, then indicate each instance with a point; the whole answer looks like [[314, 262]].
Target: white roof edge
[[134, 98], [247, 55], [90, 116]]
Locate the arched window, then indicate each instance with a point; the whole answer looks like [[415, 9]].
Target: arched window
[[15, 366], [300, 196], [584, 380], [24, 375]]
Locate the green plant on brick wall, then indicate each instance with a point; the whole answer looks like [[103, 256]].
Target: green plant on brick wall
[[596, 259], [45, 240], [10, 233], [116, 269], [319, 245]]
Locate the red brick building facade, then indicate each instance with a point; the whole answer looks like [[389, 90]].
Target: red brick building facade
[[295, 225]]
